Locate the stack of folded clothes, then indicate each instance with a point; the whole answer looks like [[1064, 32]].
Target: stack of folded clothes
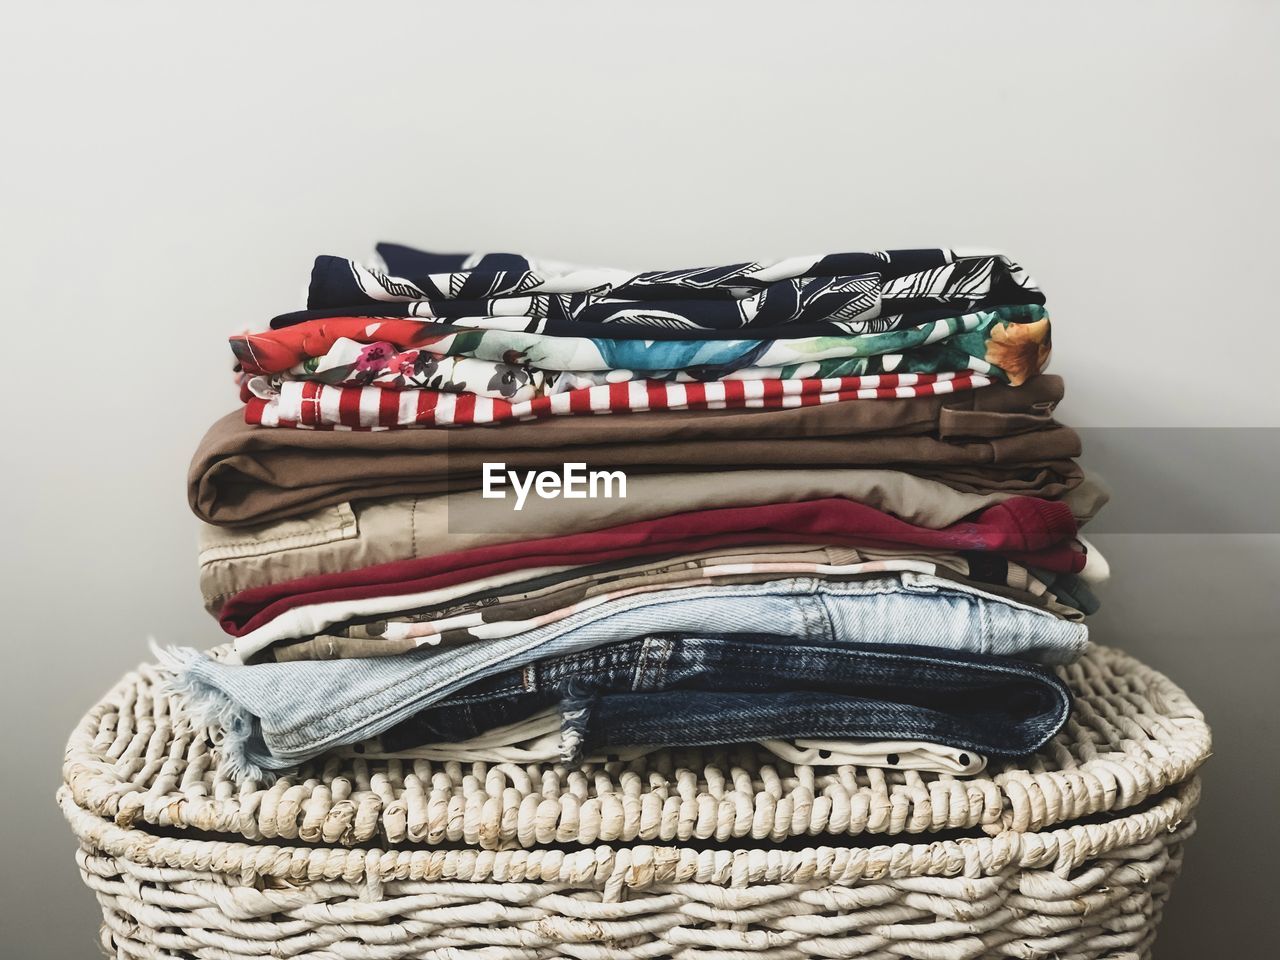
[[485, 508]]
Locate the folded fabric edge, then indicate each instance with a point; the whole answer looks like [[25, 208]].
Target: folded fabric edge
[[575, 715], [212, 708]]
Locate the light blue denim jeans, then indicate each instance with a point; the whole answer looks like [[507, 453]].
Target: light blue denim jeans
[[276, 715]]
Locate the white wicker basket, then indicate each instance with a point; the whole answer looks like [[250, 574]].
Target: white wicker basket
[[725, 854]]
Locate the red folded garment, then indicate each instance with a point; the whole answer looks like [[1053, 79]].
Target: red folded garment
[[1023, 529], [310, 405]]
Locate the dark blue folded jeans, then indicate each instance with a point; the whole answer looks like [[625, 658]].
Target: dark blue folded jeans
[[675, 690]]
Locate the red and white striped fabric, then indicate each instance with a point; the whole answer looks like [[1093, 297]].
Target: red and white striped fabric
[[307, 404]]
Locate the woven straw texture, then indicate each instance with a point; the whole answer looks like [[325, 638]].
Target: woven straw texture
[[137, 759], [1086, 891], [676, 855]]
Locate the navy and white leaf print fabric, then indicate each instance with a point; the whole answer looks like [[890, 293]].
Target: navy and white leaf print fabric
[[831, 294]]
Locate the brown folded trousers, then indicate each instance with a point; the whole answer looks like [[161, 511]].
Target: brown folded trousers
[[993, 438]]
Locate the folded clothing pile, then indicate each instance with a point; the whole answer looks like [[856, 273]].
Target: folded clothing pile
[[833, 515]]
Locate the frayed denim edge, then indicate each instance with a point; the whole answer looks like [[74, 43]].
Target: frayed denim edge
[[210, 707]]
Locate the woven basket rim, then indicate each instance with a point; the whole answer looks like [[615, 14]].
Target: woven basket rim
[[641, 865], [137, 758]]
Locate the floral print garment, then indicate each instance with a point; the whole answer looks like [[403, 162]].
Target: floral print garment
[[352, 364], [1010, 343]]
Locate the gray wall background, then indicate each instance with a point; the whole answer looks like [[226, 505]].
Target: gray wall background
[[169, 171]]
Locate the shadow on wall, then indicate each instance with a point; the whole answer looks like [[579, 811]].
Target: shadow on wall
[[1207, 480], [1196, 594]]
